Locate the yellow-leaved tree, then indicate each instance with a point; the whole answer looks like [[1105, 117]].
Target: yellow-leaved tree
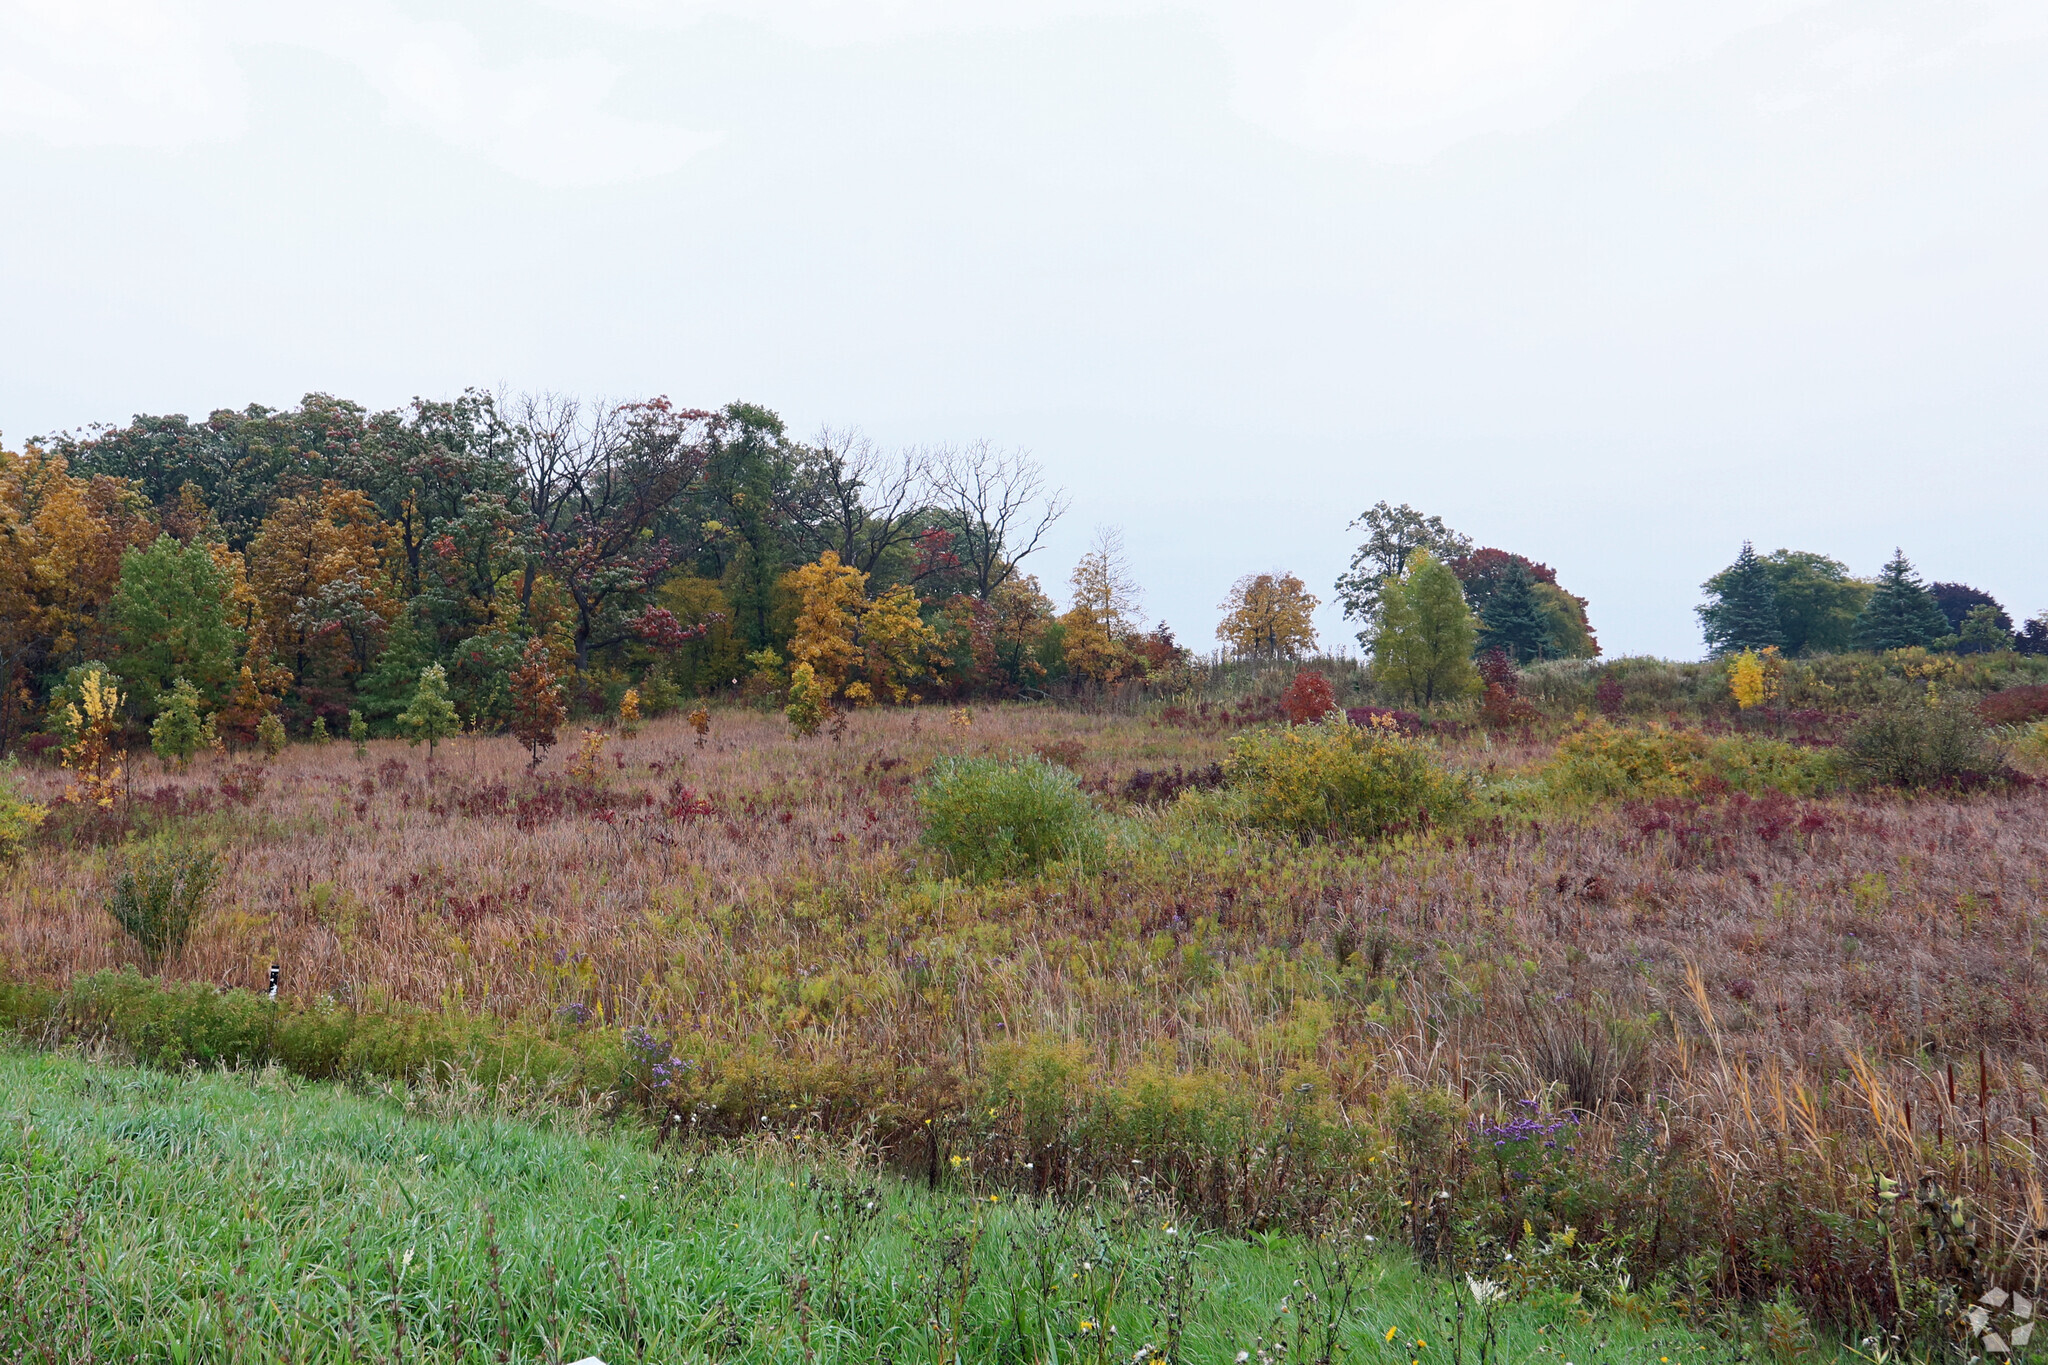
[[896, 644], [831, 598], [1104, 617], [61, 541], [863, 650], [1269, 616]]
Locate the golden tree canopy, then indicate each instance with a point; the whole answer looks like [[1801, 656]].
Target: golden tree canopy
[[1269, 616], [317, 568]]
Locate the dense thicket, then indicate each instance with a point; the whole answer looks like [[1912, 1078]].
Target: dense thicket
[[316, 562]]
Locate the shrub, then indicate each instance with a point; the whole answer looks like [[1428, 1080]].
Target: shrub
[[2015, 705], [993, 817], [1610, 761], [1912, 741], [179, 732], [1308, 698], [808, 701], [19, 819], [270, 734], [158, 897], [1339, 779]]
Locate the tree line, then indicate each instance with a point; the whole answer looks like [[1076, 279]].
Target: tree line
[[306, 568], [301, 570]]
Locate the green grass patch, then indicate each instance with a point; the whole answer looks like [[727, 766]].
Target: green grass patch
[[252, 1217]]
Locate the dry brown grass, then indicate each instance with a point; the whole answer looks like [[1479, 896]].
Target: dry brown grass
[[1798, 994]]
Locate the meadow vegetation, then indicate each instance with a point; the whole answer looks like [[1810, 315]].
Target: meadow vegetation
[[1675, 998], [250, 1217]]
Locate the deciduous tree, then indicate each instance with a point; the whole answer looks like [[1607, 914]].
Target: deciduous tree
[[431, 717], [172, 613], [1423, 648], [317, 569], [1392, 535], [996, 505], [537, 709], [1269, 616], [831, 597]]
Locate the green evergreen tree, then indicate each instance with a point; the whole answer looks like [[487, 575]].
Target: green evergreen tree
[[358, 733], [431, 717], [1423, 648], [171, 617], [179, 732], [1901, 613], [1744, 611], [1513, 620]]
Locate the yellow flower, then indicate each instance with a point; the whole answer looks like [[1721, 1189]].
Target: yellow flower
[[956, 1161], [1086, 1325], [1392, 1332]]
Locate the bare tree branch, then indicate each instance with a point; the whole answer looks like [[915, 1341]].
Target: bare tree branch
[[993, 497]]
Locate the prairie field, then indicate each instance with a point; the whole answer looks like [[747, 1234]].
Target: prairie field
[[1694, 1037]]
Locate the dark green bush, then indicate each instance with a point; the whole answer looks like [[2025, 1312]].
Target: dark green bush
[[991, 817], [159, 896], [1913, 739]]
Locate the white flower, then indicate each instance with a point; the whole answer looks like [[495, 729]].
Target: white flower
[[1484, 1291]]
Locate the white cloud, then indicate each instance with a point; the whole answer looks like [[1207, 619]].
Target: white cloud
[[164, 73]]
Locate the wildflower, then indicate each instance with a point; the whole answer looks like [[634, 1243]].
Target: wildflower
[[957, 1160], [1392, 1332], [1086, 1325], [1483, 1291]]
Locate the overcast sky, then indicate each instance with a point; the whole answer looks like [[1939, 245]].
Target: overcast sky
[[1612, 284]]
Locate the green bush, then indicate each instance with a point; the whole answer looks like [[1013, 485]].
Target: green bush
[[1643, 763], [992, 817], [170, 1023], [1342, 780], [158, 897], [1915, 740]]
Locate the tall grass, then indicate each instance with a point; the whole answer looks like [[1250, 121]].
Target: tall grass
[[1777, 981]]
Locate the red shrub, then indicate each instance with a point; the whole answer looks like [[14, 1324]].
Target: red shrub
[[1308, 698], [2015, 705]]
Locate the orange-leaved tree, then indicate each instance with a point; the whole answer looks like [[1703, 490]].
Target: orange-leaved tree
[[537, 707]]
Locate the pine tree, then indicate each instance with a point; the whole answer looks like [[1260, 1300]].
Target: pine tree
[[1426, 632], [1513, 620], [1901, 612], [431, 717], [537, 709], [1744, 612]]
